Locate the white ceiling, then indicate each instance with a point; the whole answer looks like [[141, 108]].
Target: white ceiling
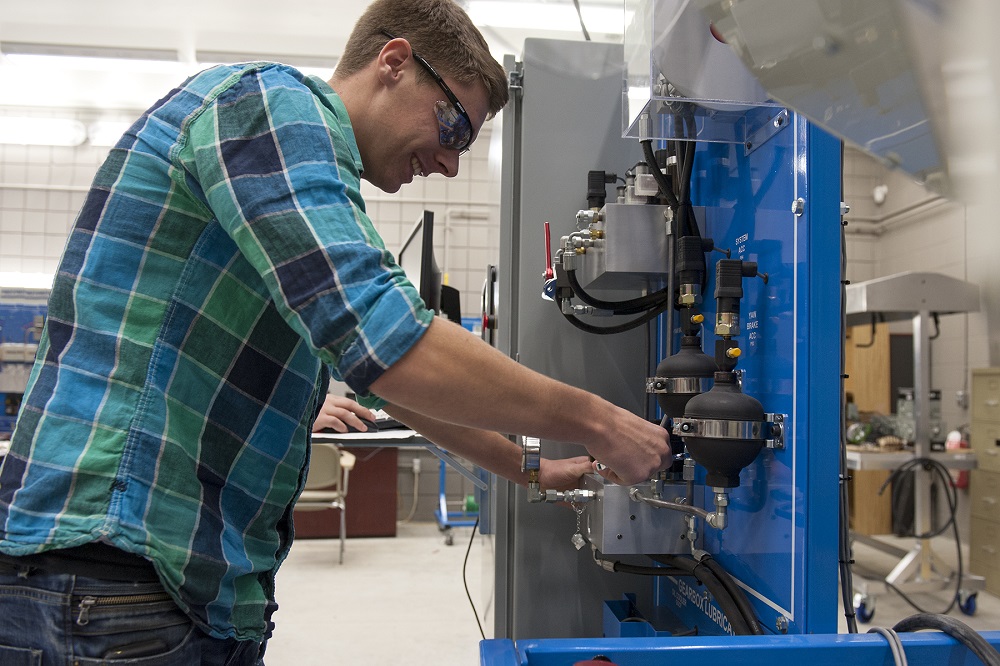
[[294, 30]]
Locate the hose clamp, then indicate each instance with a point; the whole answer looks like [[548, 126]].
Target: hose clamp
[[771, 429], [683, 385]]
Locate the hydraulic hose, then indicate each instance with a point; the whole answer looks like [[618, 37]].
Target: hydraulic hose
[[611, 330], [715, 587], [736, 592], [654, 169], [631, 306]]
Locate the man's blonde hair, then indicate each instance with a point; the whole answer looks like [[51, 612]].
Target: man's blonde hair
[[438, 30]]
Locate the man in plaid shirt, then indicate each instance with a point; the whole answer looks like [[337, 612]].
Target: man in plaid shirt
[[221, 265]]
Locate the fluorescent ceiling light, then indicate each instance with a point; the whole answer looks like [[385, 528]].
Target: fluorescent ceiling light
[[309, 65], [220, 57], [560, 17], [42, 63], [89, 58], [25, 280], [42, 131], [106, 133]]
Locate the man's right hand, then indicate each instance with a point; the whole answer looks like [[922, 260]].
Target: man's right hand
[[633, 449]]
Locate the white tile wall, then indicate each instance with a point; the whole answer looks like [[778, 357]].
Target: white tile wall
[[42, 187], [920, 232]]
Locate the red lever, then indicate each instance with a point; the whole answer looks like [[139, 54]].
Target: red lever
[[549, 273]]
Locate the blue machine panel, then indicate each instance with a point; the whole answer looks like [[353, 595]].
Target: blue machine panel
[[781, 541]]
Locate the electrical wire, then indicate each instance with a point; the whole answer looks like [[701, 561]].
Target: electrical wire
[[413, 505], [957, 629], [895, 644], [951, 494], [465, 581], [586, 35], [845, 560], [871, 341]]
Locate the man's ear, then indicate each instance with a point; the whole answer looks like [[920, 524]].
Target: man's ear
[[395, 58]]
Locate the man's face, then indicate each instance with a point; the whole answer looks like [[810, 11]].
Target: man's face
[[409, 143]]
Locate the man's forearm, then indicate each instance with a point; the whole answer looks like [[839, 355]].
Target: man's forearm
[[489, 450], [453, 376]]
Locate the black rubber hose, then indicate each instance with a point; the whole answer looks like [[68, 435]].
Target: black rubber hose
[[611, 330], [622, 567], [631, 306], [715, 587], [957, 629], [726, 601], [736, 592], [952, 496], [654, 168]]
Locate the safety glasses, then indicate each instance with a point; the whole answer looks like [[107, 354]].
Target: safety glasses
[[454, 125]]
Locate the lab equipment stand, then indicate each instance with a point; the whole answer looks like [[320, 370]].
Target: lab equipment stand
[[446, 519]]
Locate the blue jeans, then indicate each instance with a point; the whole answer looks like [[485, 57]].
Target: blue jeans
[[56, 619]]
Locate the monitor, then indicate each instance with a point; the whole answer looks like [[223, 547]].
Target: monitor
[[416, 257]]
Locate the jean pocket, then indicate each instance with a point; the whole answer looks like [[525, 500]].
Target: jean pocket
[[12, 656], [139, 649]]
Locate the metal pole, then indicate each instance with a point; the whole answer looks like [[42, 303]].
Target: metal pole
[[922, 444]]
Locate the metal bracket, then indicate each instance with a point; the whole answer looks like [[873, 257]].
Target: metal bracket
[[682, 385], [778, 424], [771, 429], [766, 131], [515, 79]]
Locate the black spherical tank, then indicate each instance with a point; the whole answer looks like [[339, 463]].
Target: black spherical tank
[[690, 362], [724, 458]]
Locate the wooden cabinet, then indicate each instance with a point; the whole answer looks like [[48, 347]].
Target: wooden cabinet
[[866, 360], [371, 499], [984, 539]]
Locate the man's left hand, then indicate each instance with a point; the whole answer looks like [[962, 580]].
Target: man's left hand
[[564, 473]]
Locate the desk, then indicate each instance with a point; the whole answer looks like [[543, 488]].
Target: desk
[[371, 499], [372, 492], [919, 569], [860, 459], [871, 513]]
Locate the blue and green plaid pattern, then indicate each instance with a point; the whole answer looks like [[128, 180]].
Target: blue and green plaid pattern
[[221, 259]]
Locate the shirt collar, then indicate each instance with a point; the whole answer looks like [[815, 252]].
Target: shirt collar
[[345, 120]]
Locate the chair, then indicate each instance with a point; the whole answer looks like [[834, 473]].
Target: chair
[[326, 483]]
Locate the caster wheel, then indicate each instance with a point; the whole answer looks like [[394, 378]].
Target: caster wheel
[[864, 614], [967, 603], [449, 539], [864, 608]]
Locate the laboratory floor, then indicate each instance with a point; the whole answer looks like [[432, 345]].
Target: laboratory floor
[[401, 600], [393, 601]]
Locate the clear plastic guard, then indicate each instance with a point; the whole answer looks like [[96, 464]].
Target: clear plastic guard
[[671, 60]]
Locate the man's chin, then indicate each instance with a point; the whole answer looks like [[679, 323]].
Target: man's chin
[[390, 187]]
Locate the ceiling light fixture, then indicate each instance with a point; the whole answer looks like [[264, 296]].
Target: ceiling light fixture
[[89, 58], [18, 280], [105, 133], [560, 17], [28, 131]]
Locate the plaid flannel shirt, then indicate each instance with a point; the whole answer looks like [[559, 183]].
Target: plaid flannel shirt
[[221, 259]]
